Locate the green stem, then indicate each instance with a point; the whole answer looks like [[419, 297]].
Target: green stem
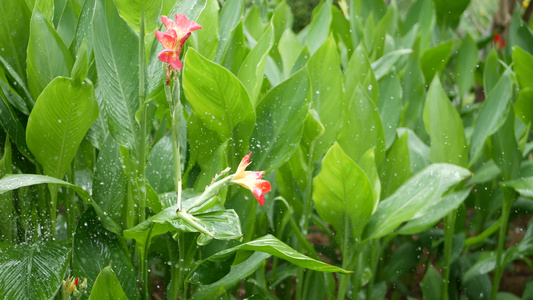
[[181, 263], [346, 259], [71, 203], [142, 105], [449, 229], [508, 199]]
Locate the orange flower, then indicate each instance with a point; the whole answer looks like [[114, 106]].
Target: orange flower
[[252, 180], [178, 32]]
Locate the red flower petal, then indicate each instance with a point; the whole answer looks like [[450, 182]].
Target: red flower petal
[[258, 193], [167, 22]]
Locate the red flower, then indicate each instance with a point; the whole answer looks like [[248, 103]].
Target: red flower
[[252, 180], [499, 41], [174, 38]]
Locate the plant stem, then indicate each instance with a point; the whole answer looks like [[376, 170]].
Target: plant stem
[[176, 130], [142, 105], [181, 263], [508, 199], [71, 203], [346, 259], [449, 229]]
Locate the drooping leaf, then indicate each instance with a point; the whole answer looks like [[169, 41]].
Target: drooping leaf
[[384, 64], [342, 192], [414, 198], [444, 126], [524, 186], [94, 249], [12, 182], [58, 122], [116, 54], [280, 118], [48, 57], [32, 271]]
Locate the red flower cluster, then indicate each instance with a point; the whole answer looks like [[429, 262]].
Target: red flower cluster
[[178, 32], [499, 41]]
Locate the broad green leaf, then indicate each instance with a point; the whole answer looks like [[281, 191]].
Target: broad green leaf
[[465, 65], [133, 11], [390, 106], [14, 26], [254, 24], [235, 275], [84, 28], [116, 52], [159, 172], [363, 9], [435, 59], [362, 128], [522, 60], [8, 225], [414, 92], [48, 57], [421, 12], [340, 28], [235, 55], [58, 122], [280, 118], [414, 198], [384, 64], [396, 168], [32, 271], [107, 286], [444, 126], [230, 17], [523, 106], [218, 98], [94, 248], [491, 74], [505, 151], [449, 12], [431, 284], [524, 186], [11, 81], [271, 245], [387, 25], [12, 125], [109, 180], [81, 66], [319, 27], [368, 164], [289, 48], [253, 67], [491, 116], [404, 258], [206, 40], [191, 8], [67, 23], [326, 94], [359, 72], [12, 182], [342, 193], [418, 151], [203, 141], [449, 203]]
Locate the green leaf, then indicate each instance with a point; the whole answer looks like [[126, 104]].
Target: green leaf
[[465, 65], [449, 12], [218, 99], [109, 180], [58, 122], [523, 106], [14, 28], [84, 28], [232, 278], [107, 286], [132, 10], [12, 182], [32, 271], [444, 126], [522, 60], [491, 116], [524, 186], [319, 27], [8, 225], [342, 193], [419, 152], [396, 168], [230, 18], [94, 248], [12, 125], [206, 40], [116, 51], [414, 92], [66, 28], [253, 67], [431, 284], [491, 74], [289, 48], [390, 106], [435, 59], [414, 198], [362, 128], [384, 64], [81, 66], [191, 8], [158, 171], [48, 57], [505, 151], [326, 94], [280, 118], [449, 203], [359, 72]]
